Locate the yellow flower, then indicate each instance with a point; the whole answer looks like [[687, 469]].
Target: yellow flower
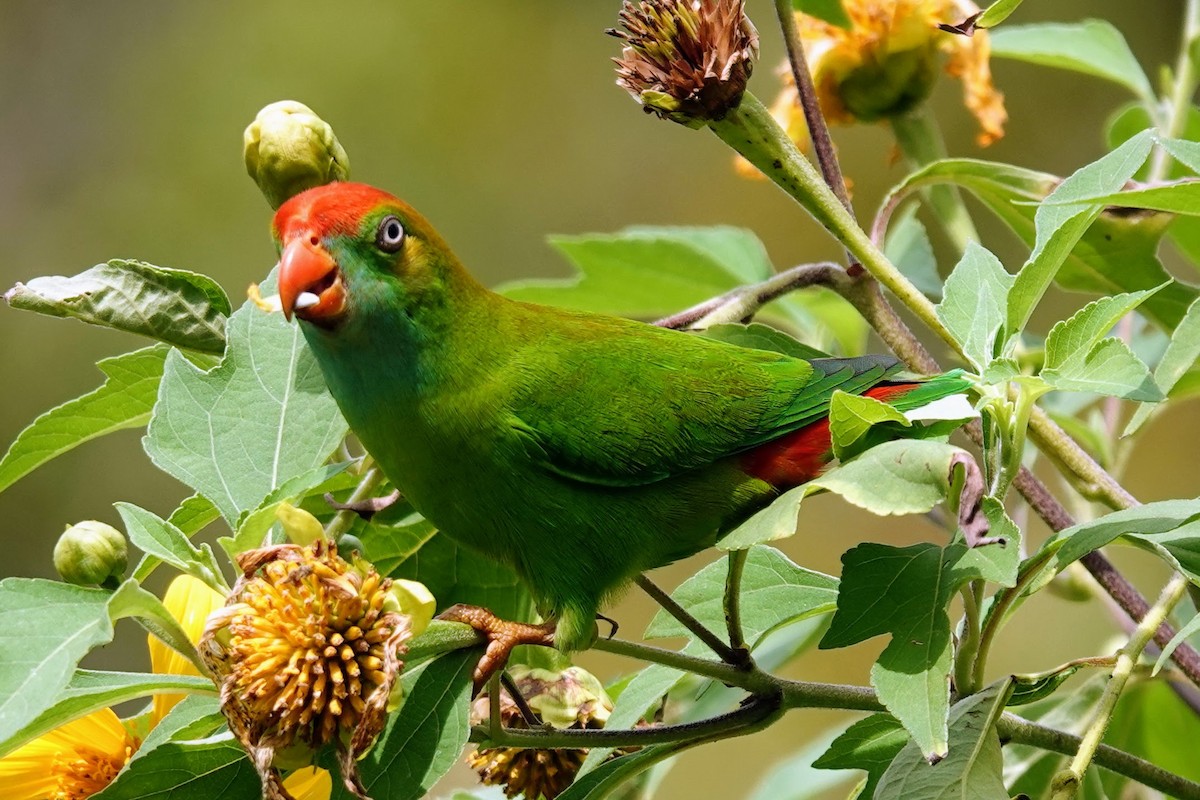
[[309, 783], [72, 762], [190, 601], [886, 63]]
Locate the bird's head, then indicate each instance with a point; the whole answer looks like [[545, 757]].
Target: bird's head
[[344, 246]]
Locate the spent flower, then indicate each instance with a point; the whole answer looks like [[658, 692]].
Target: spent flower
[[572, 698], [686, 60], [306, 654]]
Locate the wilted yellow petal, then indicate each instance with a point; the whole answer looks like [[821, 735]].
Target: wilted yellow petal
[[71, 762], [309, 783], [190, 601], [301, 527]]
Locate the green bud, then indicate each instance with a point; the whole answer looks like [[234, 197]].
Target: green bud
[[90, 553], [288, 149]]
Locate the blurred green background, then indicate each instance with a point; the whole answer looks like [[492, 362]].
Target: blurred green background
[[122, 127]]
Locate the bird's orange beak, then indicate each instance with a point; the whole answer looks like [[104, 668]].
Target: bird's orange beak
[[310, 283]]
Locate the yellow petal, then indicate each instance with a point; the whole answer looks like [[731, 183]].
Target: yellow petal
[[300, 526], [309, 783], [31, 772], [190, 601], [416, 601]]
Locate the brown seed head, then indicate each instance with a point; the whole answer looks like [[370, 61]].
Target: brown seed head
[[686, 60], [306, 650]]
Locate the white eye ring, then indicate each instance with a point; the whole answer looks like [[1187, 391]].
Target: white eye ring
[[390, 237]]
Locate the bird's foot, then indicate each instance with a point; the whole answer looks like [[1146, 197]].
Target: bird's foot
[[502, 636], [365, 508]]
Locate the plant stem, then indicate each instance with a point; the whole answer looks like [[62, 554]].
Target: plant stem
[[733, 601], [694, 625], [921, 142], [965, 679], [372, 476], [1184, 87], [1067, 782]]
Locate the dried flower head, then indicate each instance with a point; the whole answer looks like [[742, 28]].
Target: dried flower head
[[306, 652], [886, 63], [686, 60], [572, 698]]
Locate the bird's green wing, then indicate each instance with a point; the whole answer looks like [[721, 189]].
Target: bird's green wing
[[635, 409]]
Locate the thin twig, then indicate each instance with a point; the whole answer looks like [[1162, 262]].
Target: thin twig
[[344, 519], [527, 713], [723, 651]]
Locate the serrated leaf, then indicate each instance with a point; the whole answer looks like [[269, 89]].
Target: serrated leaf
[[907, 246], [1181, 354], [870, 744], [123, 401], [903, 477], [158, 538], [1075, 337], [1059, 227], [975, 304], [1185, 151], [758, 336], [851, 416], [259, 419], [905, 592], [1118, 253], [424, 739], [172, 305], [253, 527], [91, 690], [775, 591], [972, 769], [1109, 368], [1093, 47]]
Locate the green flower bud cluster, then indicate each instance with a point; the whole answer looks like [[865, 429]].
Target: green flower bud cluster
[[90, 553]]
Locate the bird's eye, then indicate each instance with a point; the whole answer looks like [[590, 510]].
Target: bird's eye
[[390, 237]]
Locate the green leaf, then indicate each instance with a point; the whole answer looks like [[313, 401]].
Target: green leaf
[[1072, 338], [389, 543], [123, 401], [831, 11], [870, 744], [47, 627], [902, 477], [1185, 151], [259, 419], [424, 739], [907, 246], [905, 592], [798, 777], [1152, 722], [89, 690], [996, 13], [851, 417], [253, 528], [455, 574], [1093, 47], [1182, 197], [775, 591], [1181, 354], [648, 272], [971, 771], [1118, 253], [172, 305], [1182, 635], [1030, 769], [131, 600], [213, 767], [757, 336], [1059, 227], [158, 538], [1037, 687], [1109, 368], [610, 776], [975, 304]]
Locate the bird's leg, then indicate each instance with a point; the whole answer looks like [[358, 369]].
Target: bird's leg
[[502, 636], [613, 625], [365, 508]]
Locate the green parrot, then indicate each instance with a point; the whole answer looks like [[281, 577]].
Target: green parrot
[[577, 448]]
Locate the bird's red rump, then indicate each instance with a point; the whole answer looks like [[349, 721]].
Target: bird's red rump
[[801, 455], [336, 208]]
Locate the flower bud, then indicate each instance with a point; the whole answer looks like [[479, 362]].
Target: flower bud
[[90, 553], [301, 527], [288, 149]]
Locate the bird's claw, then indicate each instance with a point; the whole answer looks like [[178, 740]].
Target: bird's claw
[[502, 636]]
